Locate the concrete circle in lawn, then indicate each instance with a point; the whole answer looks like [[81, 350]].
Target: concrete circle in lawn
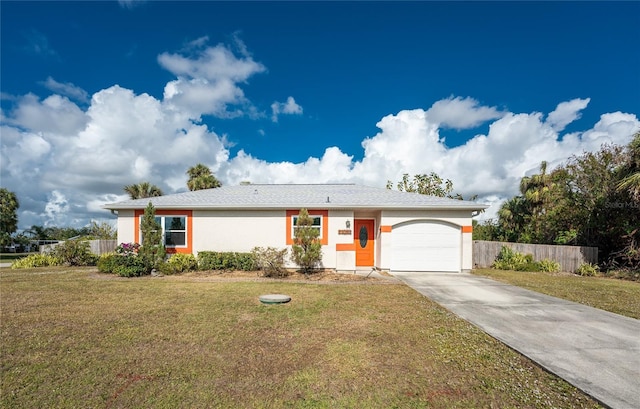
[[274, 299]]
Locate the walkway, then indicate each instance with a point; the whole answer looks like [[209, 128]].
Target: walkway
[[596, 351]]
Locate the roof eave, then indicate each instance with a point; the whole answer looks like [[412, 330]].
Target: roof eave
[[469, 207]]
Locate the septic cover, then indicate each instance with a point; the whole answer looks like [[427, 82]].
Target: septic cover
[[274, 299]]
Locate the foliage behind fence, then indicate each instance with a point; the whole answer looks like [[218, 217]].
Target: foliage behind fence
[[97, 246], [569, 257]]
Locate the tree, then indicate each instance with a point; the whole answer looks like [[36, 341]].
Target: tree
[[630, 174], [306, 250], [8, 216], [151, 251], [142, 190], [589, 201], [102, 231], [430, 184], [201, 177]]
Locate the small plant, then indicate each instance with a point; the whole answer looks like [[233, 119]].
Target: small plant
[[588, 270], [179, 263], [549, 266], [508, 259], [75, 253], [107, 262], [270, 261], [36, 260]]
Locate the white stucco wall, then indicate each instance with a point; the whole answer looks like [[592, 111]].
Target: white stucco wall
[[238, 230], [342, 260], [126, 226]]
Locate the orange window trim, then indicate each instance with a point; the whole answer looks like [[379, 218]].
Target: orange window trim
[[325, 224], [467, 229], [168, 212], [385, 229], [345, 247]]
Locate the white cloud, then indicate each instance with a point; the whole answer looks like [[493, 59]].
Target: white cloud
[[461, 113], [67, 89], [566, 112], [208, 79], [212, 63], [289, 108], [56, 210], [55, 114]]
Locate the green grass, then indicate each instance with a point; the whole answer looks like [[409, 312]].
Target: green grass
[[76, 338], [614, 295]]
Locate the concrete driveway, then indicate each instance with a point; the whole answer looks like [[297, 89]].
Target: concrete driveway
[[596, 351]]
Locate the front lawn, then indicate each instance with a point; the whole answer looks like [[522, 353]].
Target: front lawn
[[76, 338], [618, 296]]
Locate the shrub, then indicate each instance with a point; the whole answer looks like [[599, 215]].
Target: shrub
[[75, 253], [508, 259], [124, 266], [270, 261], [151, 252], [246, 262], [36, 260], [587, 270], [306, 250], [179, 263], [213, 260], [549, 266], [511, 260], [107, 262]]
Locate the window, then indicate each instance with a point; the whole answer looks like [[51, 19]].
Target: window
[[176, 229], [317, 224], [320, 222]]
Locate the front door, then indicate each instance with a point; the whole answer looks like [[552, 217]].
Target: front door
[[364, 238]]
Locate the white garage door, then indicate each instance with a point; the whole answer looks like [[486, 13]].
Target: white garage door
[[426, 246]]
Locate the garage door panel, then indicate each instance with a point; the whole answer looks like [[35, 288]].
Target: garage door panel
[[426, 246]]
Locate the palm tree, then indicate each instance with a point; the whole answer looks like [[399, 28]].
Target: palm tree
[[142, 190], [201, 177], [631, 181]]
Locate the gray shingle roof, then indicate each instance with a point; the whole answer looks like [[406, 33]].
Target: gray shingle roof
[[320, 196]]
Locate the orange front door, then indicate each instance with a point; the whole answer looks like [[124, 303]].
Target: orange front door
[[364, 239]]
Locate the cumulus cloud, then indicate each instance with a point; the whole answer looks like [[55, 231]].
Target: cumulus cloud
[[566, 112], [289, 108], [64, 162], [208, 80], [461, 113], [67, 89]]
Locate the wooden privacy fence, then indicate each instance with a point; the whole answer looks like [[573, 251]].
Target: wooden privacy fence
[[97, 246], [569, 257]]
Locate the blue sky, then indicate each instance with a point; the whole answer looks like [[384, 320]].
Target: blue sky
[[96, 95]]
